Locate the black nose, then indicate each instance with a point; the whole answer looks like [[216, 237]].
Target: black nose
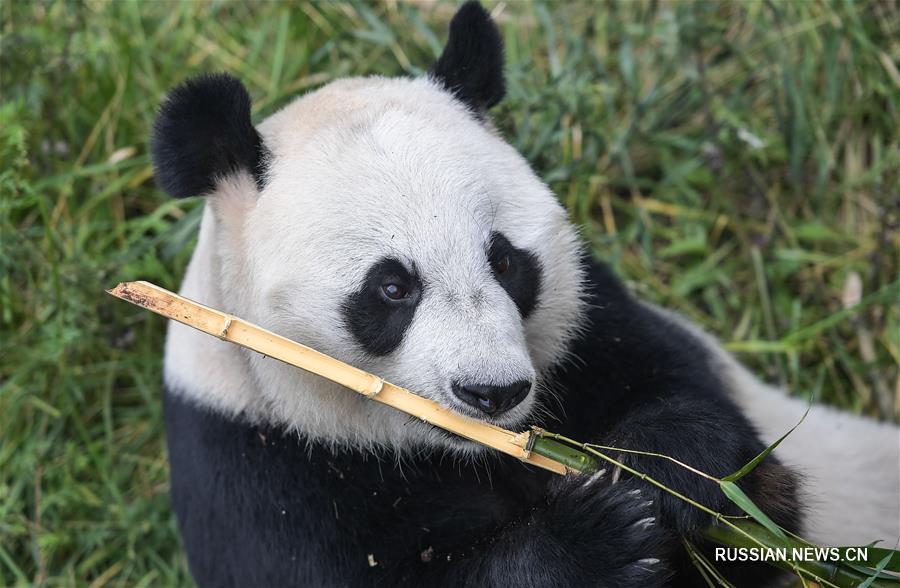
[[492, 400]]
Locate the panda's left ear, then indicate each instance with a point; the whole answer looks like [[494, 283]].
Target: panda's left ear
[[202, 134], [471, 65]]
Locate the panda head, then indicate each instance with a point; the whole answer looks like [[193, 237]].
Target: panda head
[[383, 221]]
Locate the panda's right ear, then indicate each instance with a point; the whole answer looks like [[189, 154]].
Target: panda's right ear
[[203, 133]]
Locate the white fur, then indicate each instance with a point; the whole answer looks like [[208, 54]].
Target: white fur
[[850, 465], [360, 170]]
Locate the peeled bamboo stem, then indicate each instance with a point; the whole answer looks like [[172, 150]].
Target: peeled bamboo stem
[[241, 332]]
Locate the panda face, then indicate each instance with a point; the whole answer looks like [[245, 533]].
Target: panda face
[[398, 232], [381, 221]]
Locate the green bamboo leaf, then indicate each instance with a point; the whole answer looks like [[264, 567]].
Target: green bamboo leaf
[[872, 573], [765, 453], [737, 496], [881, 565], [876, 554]]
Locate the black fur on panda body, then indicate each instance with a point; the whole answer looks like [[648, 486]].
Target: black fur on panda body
[[257, 506]]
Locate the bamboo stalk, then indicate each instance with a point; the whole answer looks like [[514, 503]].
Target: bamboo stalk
[[246, 334], [546, 450]]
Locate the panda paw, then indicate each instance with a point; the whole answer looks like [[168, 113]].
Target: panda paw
[[612, 527]]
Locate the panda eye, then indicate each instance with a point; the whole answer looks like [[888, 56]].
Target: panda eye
[[501, 266], [394, 291]]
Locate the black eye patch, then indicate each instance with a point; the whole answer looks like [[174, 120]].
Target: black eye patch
[[517, 270], [380, 312]]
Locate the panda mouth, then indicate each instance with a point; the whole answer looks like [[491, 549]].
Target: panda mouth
[[515, 423], [459, 442], [514, 419], [500, 420]]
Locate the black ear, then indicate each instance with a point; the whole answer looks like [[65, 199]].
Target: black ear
[[203, 132], [471, 65]]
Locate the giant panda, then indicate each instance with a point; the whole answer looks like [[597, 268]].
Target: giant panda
[[387, 223]]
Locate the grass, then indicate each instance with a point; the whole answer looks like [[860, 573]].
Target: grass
[[738, 162]]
